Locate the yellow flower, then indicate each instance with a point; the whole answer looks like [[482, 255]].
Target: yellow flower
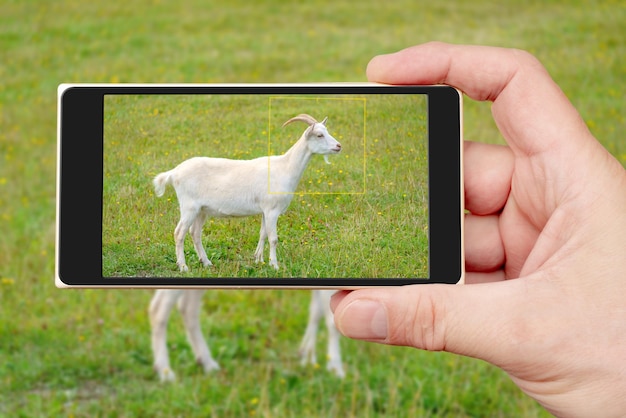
[[7, 281]]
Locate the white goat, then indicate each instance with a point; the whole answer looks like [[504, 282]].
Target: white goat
[[189, 304], [222, 187]]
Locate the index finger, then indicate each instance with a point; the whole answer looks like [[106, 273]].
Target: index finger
[[529, 108]]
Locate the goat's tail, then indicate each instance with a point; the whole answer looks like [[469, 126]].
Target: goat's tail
[[161, 181]]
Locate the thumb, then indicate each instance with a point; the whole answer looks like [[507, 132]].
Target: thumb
[[467, 320]]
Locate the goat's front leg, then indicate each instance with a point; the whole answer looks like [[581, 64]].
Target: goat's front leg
[[320, 306], [272, 234], [307, 346], [189, 306], [334, 363], [258, 254], [160, 308]]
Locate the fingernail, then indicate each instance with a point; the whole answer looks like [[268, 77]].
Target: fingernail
[[364, 320]]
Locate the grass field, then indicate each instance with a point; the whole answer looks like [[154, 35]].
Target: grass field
[[87, 353], [362, 216]]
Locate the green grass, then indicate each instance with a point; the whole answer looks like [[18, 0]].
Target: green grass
[[87, 353]]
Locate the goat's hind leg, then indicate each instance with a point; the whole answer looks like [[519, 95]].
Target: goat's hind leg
[[189, 306], [196, 236], [187, 218], [160, 308]]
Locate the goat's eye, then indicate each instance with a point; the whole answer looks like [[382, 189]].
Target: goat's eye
[[320, 135]]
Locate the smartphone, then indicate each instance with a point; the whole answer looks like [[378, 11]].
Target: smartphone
[[230, 186]]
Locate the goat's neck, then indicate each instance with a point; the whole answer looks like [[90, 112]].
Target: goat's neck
[[297, 158]]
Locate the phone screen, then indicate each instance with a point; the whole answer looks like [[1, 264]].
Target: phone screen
[[364, 215]]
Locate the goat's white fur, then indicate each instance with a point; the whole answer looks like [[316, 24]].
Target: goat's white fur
[[221, 187], [189, 304]]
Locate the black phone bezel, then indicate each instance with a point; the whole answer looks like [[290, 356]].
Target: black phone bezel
[[80, 179]]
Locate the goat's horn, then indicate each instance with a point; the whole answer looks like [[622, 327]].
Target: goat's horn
[[302, 118]]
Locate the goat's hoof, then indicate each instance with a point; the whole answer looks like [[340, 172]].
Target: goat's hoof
[[307, 356], [209, 365], [167, 375], [183, 268], [336, 369]]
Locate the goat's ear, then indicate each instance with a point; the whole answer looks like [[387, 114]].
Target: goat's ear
[[324, 121]]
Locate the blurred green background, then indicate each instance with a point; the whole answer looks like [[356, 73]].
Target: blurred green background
[[87, 353]]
